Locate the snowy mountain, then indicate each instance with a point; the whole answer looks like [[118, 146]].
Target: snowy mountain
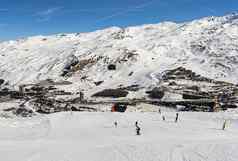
[[161, 68], [140, 54]]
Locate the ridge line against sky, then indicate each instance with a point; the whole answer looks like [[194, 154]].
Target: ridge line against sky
[[51, 16]]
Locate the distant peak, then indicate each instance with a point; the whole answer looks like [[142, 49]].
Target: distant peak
[[232, 16]]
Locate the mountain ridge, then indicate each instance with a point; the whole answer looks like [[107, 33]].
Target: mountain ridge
[[207, 46]]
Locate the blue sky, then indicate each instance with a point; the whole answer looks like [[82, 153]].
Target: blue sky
[[22, 18]]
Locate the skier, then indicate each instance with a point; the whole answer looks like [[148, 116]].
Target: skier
[[159, 111], [176, 119], [224, 125], [136, 124], [138, 130], [163, 117], [115, 123]]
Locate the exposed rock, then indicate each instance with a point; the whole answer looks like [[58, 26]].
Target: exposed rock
[[130, 74], [134, 88], [198, 47], [37, 88], [114, 93], [64, 73], [194, 88], [226, 106], [193, 96], [50, 105], [190, 105], [98, 83], [78, 65], [83, 108], [1, 81], [172, 83], [5, 89], [182, 73], [119, 35], [156, 93], [111, 67], [84, 63], [21, 111], [9, 109], [71, 61], [127, 55], [203, 108], [198, 92]]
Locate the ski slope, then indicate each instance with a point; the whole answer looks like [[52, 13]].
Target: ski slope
[[93, 137]]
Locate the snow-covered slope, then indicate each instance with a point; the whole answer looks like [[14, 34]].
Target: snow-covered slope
[[93, 137], [208, 46]]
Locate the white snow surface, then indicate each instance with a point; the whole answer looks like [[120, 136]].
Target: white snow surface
[[208, 46], [92, 137]]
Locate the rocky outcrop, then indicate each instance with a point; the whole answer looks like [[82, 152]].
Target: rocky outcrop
[[50, 105], [20, 111], [197, 93], [98, 83], [182, 73], [112, 93], [111, 67], [2, 81], [70, 63], [156, 93], [193, 96], [134, 88]]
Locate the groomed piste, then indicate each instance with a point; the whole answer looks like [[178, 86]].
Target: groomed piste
[[86, 136]]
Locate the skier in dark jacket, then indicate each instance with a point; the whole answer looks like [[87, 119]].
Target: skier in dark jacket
[[159, 111], [176, 119], [115, 123], [137, 128], [136, 124]]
